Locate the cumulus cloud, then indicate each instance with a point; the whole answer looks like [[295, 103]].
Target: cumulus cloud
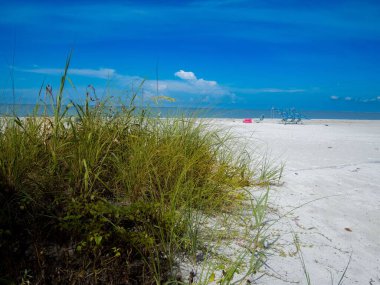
[[186, 75], [192, 85], [334, 97], [348, 98], [200, 87], [192, 79]]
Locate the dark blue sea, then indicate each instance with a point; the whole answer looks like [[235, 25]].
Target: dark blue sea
[[23, 110]]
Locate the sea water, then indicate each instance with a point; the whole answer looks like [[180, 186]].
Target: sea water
[[23, 110]]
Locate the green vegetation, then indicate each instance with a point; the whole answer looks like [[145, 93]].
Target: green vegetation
[[100, 198]]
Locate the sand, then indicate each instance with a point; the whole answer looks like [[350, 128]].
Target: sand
[[334, 165]]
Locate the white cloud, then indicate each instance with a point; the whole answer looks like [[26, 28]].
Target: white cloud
[[190, 76], [103, 73], [277, 90], [186, 75], [186, 85], [199, 86], [98, 73], [192, 85], [266, 90], [189, 84], [356, 99], [202, 82]]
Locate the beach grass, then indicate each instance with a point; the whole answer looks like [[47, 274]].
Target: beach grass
[[101, 198]]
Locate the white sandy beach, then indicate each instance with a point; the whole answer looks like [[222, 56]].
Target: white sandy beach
[[336, 165]]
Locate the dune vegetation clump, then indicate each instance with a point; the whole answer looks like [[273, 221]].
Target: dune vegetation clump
[[108, 198]]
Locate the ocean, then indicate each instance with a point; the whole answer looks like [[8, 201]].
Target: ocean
[[23, 110]]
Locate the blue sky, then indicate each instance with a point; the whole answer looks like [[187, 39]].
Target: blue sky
[[312, 55]]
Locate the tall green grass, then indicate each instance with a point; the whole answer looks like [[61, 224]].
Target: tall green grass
[[104, 198]]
